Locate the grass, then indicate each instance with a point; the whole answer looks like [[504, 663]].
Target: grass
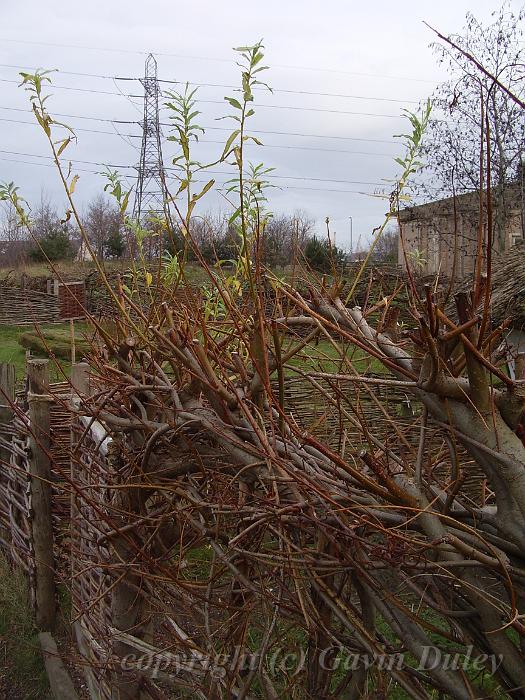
[[11, 350], [319, 357], [70, 268], [22, 672], [323, 357], [73, 269]]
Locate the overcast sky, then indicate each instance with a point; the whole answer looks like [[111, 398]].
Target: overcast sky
[[373, 58]]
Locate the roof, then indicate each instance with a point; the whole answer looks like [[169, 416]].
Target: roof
[[465, 203], [508, 287]]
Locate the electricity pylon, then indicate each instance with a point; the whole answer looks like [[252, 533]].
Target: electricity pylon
[[151, 193]]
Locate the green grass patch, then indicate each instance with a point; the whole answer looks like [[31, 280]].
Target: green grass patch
[[322, 356], [22, 670], [16, 340], [54, 341]]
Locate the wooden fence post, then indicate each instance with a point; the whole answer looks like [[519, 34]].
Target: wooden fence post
[[40, 474], [519, 367], [7, 391], [7, 395], [80, 378], [7, 383], [79, 388]]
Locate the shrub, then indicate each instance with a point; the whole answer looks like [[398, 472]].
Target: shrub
[[54, 246], [321, 255]]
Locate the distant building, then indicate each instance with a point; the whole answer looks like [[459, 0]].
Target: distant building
[[82, 253], [431, 234]]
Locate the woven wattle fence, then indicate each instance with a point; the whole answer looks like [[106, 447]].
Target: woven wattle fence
[[89, 472], [90, 589], [15, 498], [25, 306], [21, 306], [15, 482]]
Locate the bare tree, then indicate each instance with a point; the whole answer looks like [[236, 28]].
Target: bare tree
[[103, 226], [14, 245], [52, 236], [468, 103], [284, 236], [385, 250], [11, 229]]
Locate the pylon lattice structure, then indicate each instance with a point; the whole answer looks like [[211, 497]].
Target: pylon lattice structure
[[151, 193]]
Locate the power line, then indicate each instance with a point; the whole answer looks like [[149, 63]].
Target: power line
[[303, 135], [68, 72], [222, 128], [312, 109], [74, 116], [127, 140], [266, 145], [220, 184], [259, 104], [338, 95], [128, 97], [305, 178], [73, 160], [77, 128], [315, 148], [47, 165], [75, 89], [295, 92], [211, 172], [213, 59]]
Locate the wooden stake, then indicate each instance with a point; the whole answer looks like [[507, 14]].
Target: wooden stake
[[520, 365], [73, 348], [40, 477], [7, 391], [79, 388], [7, 395]]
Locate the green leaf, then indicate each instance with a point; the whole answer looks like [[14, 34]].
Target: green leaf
[[73, 184], [205, 189], [124, 204], [185, 146], [183, 185], [63, 145], [254, 139], [230, 141], [44, 122], [237, 154], [234, 216], [234, 103], [258, 57]]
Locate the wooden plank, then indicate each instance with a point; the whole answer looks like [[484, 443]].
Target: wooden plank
[[59, 679], [85, 650]]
